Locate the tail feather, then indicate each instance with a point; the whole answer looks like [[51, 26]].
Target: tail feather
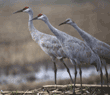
[[98, 61]]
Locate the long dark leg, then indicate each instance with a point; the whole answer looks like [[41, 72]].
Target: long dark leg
[[75, 74], [104, 63], [55, 71], [101, 74], [106, 75], [75, 79], [102, 93], [74, 62], [67, 70], [80, 72]]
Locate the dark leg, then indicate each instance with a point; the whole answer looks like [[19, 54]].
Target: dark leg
[[67, 70], [101, 74], [80, 72], [55, 71], [74, 62], [106, 75], [102, 92], [104, 63], [75, 75], [75, 79]]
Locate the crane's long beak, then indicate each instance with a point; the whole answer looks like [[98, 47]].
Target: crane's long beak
[[18, 11], [63, 23], [35, 18]]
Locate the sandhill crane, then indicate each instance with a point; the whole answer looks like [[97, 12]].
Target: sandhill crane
[[99, 47], [76, 50], [48, 43]]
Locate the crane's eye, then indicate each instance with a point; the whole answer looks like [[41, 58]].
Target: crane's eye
[[67, 20], [39, 15]]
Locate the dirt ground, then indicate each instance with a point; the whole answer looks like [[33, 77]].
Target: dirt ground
[[64, 90]]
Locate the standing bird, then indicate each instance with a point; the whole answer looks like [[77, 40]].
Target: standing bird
[[48, 43], [76, 50], [99, 47]]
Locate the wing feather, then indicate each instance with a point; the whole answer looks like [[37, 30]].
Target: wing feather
[[52, 47]]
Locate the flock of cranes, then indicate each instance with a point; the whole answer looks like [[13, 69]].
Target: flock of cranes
[[91, 51]]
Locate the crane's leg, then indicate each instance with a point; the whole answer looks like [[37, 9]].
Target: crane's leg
[[102, 92], [106, 75], [67, 70], [74, 62], [104, 63], [75, 78], [80, 72], [101, 75], [55, 71]]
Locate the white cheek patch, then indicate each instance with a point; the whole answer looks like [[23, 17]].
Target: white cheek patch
[[26, 10], [41, 17], [69, 21]]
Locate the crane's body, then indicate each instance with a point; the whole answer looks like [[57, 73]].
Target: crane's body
[[99, 47], [76, 50], [102, 49], [48, 43]]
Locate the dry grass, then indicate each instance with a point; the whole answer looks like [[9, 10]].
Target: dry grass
[[88, 89]]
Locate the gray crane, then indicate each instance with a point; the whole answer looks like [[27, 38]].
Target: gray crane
[[77, 51], [99, 47], [48, 43]]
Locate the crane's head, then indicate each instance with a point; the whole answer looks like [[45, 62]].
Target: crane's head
[[68, 21], [25, 9], [40, 17]]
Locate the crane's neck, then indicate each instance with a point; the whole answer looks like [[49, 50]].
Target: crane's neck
[[30, 23], [87, 37], [55, 31], [33, 31]]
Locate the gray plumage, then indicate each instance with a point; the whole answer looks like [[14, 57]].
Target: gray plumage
[[77, 50], [99, 47], [48, 43]]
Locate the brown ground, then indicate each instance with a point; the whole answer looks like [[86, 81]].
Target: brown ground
[[64, 90]]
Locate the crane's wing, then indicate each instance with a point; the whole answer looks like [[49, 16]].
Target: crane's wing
[[52, 47], [78, 50]]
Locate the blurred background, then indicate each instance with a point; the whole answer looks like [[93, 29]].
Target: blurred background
[[23, 65]]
